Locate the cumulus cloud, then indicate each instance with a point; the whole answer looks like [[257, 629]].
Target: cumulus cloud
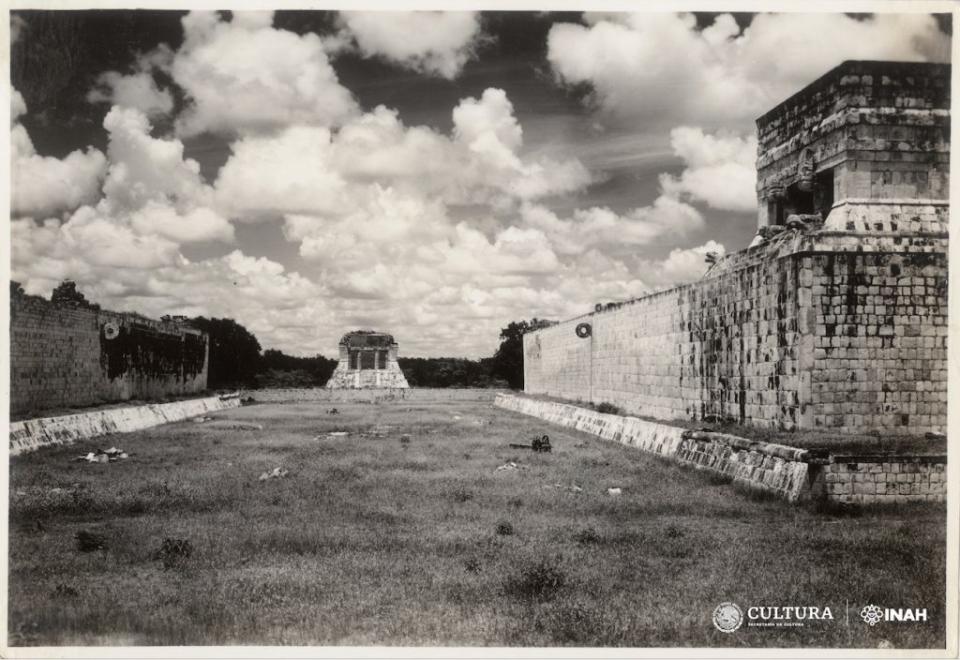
[[151, 185], [661, 70], [191, 226], [18, 107], [439, 237], [369, 206], [43, 185], [434, 42], [124, 271], [267, 176], [310, 170], [245, 76], [601, 227], [685, 265], [138, 90], [92, 239], [425, 269], [152, 201], [720, 169], [125, 250]]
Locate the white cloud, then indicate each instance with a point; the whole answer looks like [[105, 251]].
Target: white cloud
[[487, 125], [441, 238], [433, 42], [600, 227], [244, 76], [88, 242], [18, 106], [124, 271], [720, 169], [138, 90], [152, 201], [309, 170], [194, 225], [43, 185], [659, 69], [685, 265], [268, 176], [149, 180], [387, 225], [368, 205]]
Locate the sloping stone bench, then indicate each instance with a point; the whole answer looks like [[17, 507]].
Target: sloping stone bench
[[760, 465], [789, 472], [32, 434]]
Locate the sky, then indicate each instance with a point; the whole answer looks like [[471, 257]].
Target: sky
[[435, 175]]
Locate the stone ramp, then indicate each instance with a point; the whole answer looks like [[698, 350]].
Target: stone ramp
[[32, 434], [762, 466], [788, 472]]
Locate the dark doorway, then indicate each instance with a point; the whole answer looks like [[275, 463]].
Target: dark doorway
[[368, 359], [823, 193]]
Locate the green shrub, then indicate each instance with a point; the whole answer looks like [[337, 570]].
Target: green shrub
[[539, 582], [609, 408]]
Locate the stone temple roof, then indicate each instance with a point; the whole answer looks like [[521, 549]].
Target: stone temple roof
[[367, 339]]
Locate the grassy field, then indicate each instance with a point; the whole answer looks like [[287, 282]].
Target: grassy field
[[376, 539]]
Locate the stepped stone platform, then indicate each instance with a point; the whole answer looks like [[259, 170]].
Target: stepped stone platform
[[368, 360]]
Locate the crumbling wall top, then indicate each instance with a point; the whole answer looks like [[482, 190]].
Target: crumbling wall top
[[860, 83], [367, 339]]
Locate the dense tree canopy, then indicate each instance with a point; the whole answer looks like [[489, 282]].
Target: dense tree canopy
[[508, 360], [67, 293], [448, 372], [277, 369], [234, 353]]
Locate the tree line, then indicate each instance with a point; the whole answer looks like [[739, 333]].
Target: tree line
[[236, 358]]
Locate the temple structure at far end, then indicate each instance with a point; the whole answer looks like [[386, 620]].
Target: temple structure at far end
[[368, 359]]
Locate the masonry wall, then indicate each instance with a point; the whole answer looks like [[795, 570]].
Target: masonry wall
[[880, 338], [61, 356], [882, 479], [812, 330], [727, 346], [883, 128]]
